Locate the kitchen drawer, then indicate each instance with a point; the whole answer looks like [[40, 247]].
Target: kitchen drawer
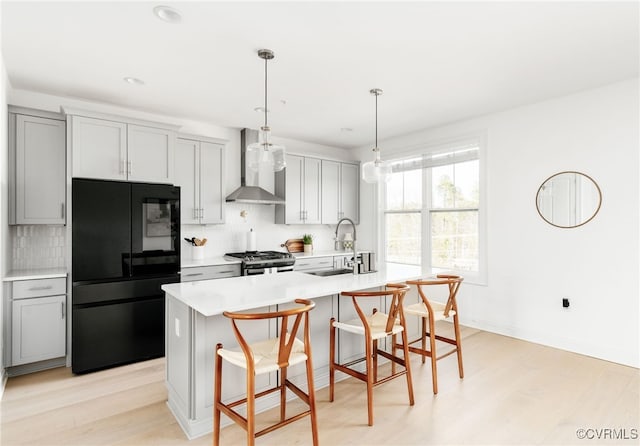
[[317, 263], [210, 272], [24, 289]]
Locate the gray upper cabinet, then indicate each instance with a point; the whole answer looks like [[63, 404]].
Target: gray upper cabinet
[[150, 154], [299, 183], [199, 171], [99, 148], [112, 149], [37, 170], [340, 191]]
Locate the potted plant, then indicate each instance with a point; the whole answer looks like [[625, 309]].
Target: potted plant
[[307, 241]]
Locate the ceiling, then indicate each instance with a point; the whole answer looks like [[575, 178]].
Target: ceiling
[[437, 62]]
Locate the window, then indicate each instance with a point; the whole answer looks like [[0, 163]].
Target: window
[[431, 209]]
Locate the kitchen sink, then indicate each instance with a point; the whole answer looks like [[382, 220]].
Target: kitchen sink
[[330, 272]]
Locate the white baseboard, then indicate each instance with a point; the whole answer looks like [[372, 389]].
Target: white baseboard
[[605, 352]]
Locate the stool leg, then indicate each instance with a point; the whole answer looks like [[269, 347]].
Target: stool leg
[[217, 392], [393, 352], [251, 407], [283, 393], [374, 357], [407, 363], [332, 357], [424, 337], [369, 367], [458, 344], [432, 345], [312, 400]]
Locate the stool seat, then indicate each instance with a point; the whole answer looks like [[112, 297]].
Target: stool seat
[[265, 355], [420, 309], [377, 324]]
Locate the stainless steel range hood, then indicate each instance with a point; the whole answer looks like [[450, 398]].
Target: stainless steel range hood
[[250, 194]]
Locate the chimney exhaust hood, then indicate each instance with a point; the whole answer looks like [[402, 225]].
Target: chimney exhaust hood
[[250, 194]]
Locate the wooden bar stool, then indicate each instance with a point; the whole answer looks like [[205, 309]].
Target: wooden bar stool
[[431, 311], [265, 357], [374, 327]]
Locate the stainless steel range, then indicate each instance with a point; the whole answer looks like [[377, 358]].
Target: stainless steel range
[[263, 262]]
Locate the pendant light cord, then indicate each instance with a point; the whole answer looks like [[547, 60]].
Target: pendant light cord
[[265, 92], [376, 122]]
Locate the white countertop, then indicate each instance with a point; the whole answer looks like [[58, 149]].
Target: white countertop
[[211, 297], [30, 274]]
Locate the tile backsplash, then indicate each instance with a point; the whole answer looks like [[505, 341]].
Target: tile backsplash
[[38, 246]]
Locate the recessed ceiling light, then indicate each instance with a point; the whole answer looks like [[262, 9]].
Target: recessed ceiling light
[[260, 110], [133, 81], [167, 14]]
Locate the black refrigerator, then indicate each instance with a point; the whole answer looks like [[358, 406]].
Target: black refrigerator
[[125, 245]]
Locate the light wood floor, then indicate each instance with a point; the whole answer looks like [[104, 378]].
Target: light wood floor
[[514, 392]]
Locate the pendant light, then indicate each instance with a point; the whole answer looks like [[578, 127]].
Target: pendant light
[[376, 171], [264, 151]]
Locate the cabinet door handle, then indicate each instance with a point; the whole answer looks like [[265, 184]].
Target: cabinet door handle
[[129, 167], [122, 163], [201, 212], [193, 274], [62, 309], [225, 272], [61, 210], [40, 288]]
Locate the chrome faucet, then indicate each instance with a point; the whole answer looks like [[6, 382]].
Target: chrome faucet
[[354, 263]]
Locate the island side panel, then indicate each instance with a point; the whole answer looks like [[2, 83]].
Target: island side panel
[[319, 322], [179, 360]]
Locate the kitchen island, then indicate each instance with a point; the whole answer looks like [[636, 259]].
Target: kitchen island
[[195, 324]]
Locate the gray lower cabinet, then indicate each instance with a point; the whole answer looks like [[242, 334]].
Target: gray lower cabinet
[[313, 264], [191, 274], [38, 320], [37, 167]]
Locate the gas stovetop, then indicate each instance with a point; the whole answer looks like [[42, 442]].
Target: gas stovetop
[[263, 258]]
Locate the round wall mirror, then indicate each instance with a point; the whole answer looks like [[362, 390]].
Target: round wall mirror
[[568, 199]]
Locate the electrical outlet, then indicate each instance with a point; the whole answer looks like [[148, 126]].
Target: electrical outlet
[[565, 302]]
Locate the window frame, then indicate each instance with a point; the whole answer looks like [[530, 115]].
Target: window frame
[[434, 148]]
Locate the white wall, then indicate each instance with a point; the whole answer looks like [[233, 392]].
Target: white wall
[[533, 265]]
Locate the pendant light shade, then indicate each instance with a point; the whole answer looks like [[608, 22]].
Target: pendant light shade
[[376, 171], [264, 152]]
